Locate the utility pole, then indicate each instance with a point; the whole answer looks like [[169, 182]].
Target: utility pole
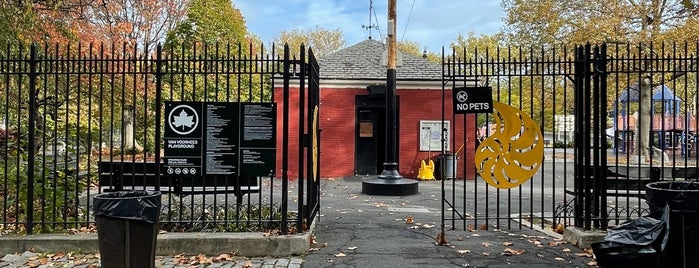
[[390, 182]]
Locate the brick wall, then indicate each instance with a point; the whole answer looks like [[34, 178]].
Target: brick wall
[[337, 122], [416, 105]]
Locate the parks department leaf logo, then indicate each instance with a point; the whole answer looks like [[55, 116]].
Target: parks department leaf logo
[[183, 119]]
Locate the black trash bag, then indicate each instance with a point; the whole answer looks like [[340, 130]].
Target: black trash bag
[[634, 243], [131, 205], [641, 232]]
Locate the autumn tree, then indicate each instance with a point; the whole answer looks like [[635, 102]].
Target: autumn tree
[[322, 41], [214, 30], [639, 23], [209, 21], [413, 48]]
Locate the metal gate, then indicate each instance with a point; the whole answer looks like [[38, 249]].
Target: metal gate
[[66, 110], [614, 117]]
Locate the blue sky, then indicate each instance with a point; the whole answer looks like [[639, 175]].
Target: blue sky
[[432, 23]]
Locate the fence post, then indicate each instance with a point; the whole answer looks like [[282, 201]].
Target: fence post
[[303, 143], [582, 203], [158, 110], [31, 142], [285, 142]]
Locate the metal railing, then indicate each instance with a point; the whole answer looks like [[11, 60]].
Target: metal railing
[[65, 108], [591, 103]]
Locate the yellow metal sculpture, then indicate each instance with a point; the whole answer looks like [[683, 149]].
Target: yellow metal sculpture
[[514, 152], [314, 143]]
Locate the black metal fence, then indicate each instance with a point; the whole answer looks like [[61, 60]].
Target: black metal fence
[[614, 117], [65, 109]]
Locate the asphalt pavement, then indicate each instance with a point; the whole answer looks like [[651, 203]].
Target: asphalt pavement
[[357, 230]]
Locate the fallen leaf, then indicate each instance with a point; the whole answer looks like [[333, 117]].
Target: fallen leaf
[[566, 250], [483, 227], [223, 257], [470, 228], [540, 255], [584, 255], [514, 251], [352, 248], [463, 251], [592, 263], [486, 254], [248, 264], [427, 226], [58, 255], [409, 219], [555, 243], [486, 244], [507, 244], [340, 255], [559, 259], [559, 228]]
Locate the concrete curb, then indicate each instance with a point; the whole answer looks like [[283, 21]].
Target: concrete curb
[[252, 244], [581, 238]]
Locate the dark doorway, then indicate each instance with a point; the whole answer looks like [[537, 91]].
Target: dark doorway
[[370, 134]]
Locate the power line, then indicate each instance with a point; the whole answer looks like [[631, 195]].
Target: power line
[[377, 19], [408, 21]]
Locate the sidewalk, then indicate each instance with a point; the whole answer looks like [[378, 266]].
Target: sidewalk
[[356, 230]]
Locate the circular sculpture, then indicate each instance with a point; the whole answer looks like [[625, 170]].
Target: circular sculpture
[[514, 152]]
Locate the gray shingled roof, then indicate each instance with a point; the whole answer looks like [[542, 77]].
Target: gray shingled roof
[[362, 61]]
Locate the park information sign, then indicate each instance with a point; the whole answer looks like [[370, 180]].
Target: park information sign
[[220, 139], [471, 100]]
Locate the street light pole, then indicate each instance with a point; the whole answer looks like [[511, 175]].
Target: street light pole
[[390, 182]]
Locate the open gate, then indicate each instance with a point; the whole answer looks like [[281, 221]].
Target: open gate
[[597, 107]]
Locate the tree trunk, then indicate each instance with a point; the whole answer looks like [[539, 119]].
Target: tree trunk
[[643, 120], [128, 140]]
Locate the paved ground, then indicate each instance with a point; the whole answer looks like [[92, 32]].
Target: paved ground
[[356, 230]]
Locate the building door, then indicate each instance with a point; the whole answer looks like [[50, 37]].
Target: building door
[[370, 134]]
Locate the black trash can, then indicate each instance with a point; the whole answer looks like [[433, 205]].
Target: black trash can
[[127, 228], [682, 197]]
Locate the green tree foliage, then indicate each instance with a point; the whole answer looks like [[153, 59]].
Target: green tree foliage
[[651, 28], [323, 41], [595, 21], [212, 32], [209, 21]]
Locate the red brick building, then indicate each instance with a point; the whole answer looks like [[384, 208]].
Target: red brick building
[[352, 114]]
